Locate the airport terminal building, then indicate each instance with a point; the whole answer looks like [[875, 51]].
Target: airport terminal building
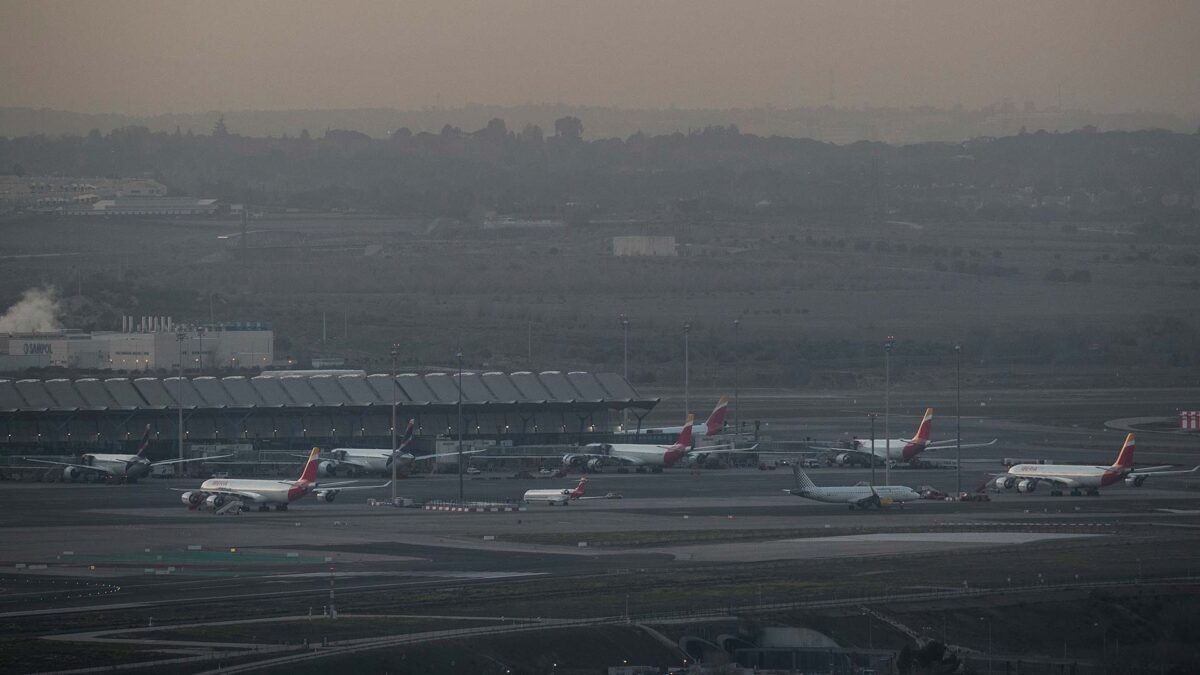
[[288, 409]]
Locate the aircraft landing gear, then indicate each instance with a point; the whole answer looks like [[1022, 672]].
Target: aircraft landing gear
[[1093, 492], [281, 507], [1056, 493], [264, 507], [1075, 492]]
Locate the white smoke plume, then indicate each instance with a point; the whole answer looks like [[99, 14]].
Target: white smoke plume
[[36, 311]]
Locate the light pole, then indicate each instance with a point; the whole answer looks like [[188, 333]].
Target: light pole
[[179, 337], [958, 416], [460, 431], [687, 404], [736, 417], [887, 408], [395, 353], [873, 415], [625, 336]]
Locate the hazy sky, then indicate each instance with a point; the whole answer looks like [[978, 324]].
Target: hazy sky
[[195, 55]]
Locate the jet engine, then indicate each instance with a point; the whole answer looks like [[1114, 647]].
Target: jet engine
[[326, 495], [595, 464], [215, 501], [71, 473], [327, 468], [1027, 485], [1135, 481], [842, 459], [192, 499]]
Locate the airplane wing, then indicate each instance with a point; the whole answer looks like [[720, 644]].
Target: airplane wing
[[621, 459], [1056, 480], [870, 500], [194, 459], [85, 467], [714, 449], [339, 462], [854, 451], [339, 486], [454, 453], [943, 445], [1154, 471]]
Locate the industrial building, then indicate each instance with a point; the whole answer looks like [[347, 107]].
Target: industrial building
[[644, 246], [297, 411], [145, 344]]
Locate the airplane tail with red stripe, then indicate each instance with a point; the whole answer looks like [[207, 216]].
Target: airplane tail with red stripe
[[1125, 457], [408, 437], [685, 436], [915, 446], [926, 427], [716, 421], [310, 468], [578, 491], [145, 441]]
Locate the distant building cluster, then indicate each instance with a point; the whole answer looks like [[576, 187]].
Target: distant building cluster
[[59, 192], [643, 246], [98, 197], [143, 344]]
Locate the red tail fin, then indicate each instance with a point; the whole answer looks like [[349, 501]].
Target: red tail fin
[[408, 437], [926, 427], [578, 491], [145, 441], [310, 468], [1125, 458], [685, 436], [716, 421]]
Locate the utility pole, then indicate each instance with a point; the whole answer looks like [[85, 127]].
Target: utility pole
[[736, 359], [460, 432], [625, 333], [873, 415], [395, 353], [179, 337], [687, 404], [887, 408], [958, 417]]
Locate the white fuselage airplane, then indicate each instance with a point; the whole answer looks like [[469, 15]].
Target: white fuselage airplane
[[128, 468], [377, 460], [711, 427], [654, 457], [898, 450], [556, 497], [856, 496], [216, 492], [1077, 479]]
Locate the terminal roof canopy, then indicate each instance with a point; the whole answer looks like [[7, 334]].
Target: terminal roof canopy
[[323, 390]]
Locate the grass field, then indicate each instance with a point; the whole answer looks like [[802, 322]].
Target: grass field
[[814, 298]]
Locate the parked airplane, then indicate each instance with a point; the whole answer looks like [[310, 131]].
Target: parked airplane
[[856, 496], [377, 460], [1026, 477], [711, 427], [215, 492], [557, 497], [901, 449], [654, 457], [128, 468]]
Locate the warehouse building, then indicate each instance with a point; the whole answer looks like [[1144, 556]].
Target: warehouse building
[[148, 344], [300, 411]]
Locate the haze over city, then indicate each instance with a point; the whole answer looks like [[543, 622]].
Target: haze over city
[[155, 57]]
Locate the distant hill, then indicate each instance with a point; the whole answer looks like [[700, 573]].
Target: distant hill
[[825, 123]]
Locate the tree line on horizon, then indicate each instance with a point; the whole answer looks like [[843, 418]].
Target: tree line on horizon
[[530, 171]]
